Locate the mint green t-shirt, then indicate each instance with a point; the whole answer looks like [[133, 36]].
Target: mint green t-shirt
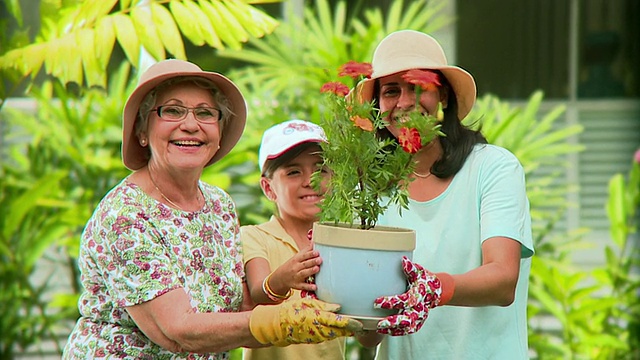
[[486, 198]]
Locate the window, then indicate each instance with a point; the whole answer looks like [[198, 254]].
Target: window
[[516, 47]]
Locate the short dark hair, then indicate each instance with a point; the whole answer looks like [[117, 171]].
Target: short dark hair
[[271, 165]]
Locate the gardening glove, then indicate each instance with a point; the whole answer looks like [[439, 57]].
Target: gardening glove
[[311, 279], [426, 291], [308, 294], [302, 321]]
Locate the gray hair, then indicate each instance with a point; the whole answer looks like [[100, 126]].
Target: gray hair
[[149, 100]]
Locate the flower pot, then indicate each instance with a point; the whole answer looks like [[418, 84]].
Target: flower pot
[[360, 265]]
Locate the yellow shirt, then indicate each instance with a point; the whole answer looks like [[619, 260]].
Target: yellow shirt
[[272, 243]]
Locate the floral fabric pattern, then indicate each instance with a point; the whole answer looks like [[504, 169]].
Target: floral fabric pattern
[[424, 293], [135, 249]]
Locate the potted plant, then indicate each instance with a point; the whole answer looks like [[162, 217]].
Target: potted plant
[[369, 172]]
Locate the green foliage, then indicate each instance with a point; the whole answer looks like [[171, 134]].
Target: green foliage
[[77, 38], [60, 162], [291, 64], [236, 354], [28, 226], [622, 273], [364, 169], [63, 160]]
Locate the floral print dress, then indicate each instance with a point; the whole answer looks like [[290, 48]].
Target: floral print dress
[[135, 249]]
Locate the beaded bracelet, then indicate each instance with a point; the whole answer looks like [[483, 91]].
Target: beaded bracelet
[[272, 295]]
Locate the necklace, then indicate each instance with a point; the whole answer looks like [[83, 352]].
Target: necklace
[[165, 196], [422, 176]]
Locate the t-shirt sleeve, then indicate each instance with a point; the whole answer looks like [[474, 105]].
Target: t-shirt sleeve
[[136, 267], [253, 243], [504, 207]]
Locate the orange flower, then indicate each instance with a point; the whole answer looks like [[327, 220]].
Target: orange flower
[[355, 70], [427, 80], [362, 123], [335, 87], [410, 140]]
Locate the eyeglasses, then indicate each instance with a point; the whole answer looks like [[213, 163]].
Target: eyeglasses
[[204, 114]]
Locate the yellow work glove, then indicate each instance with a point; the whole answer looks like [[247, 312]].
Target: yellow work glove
[[301, 321]]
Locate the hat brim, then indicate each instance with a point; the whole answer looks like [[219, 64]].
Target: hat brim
[[134, 156], [283, 151], [461, 81]]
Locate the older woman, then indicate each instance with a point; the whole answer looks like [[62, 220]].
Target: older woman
[[160, 257]]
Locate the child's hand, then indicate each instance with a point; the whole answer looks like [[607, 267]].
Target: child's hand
[[294, 273]]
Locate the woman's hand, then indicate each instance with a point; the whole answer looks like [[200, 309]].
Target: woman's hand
[[425, 291], [302, 321]]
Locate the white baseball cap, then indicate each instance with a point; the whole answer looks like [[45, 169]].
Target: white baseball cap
[[282, 137]]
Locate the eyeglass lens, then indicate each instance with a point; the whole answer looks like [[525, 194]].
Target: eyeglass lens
[[179, 112]]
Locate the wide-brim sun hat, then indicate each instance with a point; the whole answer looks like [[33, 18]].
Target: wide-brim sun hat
[[407, 50], [134, 156], [284, 136]]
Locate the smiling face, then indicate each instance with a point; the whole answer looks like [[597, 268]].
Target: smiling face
[[398, 97], [290, 186], [185, 145]]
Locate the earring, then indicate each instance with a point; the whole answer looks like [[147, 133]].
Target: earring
[[440, 112], [143, 142]]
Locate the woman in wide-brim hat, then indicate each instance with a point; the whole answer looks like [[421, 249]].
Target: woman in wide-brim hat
[[468, 206], [160, 258]]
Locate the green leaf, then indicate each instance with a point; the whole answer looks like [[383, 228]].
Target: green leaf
[[26, 202], [168, 31], [47, 236], [225, 24], [124, 4], [32, 59], [203, 23], [105, 38], [549, 303], [149, 35], [90, 63], [15, 10], [256, 22], [189, 28], [64, 60], [127, 37], [616, 210], [89, 12]]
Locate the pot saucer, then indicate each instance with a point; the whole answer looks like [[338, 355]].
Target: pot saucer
[[368, 322]]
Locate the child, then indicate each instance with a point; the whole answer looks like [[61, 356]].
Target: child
[[278, 256]]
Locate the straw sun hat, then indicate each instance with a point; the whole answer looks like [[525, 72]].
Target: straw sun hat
[[134, 156], [408, 49]]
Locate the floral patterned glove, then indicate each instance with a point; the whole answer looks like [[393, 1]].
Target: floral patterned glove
[[425, 292], [311, 279], [306, 293], [302, 321]]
